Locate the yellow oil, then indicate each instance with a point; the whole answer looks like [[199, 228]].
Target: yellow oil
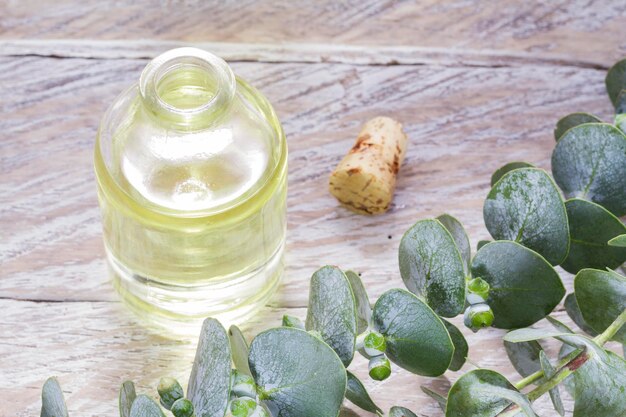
[[194, 223]]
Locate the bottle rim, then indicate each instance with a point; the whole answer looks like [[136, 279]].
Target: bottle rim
[[182, 118]]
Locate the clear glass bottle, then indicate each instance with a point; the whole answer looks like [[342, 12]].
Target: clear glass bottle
[[191, 164]]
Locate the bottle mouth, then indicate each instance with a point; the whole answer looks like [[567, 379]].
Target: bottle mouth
[[187, 87]]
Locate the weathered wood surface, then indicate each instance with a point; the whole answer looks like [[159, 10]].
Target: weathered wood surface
[[541, 27], [475, 87]]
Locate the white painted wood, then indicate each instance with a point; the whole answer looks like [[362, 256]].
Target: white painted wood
[[475, 86]]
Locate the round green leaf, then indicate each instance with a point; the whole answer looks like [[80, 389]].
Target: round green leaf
[[52, 401], [239, 347], [297, 374], [591, 228], [601, 296], [144, 406], [457, 231], [332, 311], [484, 393], [358, 395], [506, 168], [525, 206], [572, 120], [619, 241], [589, 162], [461, 348], [363, 306], [573, 311], [209, 382], [417, 339], [616, 80], [524, 286], [431, 267], [126, 398], [401, 412]]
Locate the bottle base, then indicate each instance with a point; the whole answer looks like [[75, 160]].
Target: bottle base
[[176, 311]]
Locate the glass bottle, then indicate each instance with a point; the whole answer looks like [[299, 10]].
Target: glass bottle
[[191, 165]]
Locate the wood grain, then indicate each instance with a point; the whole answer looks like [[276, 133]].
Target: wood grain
[[475, 85], [554, 27]]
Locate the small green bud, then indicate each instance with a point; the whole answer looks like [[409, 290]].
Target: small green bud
[[291, 321], [479, 287], [243, 407], [374, 344], [242, 385], [379, 368], [478, 316], [182, 408], [170, 391]]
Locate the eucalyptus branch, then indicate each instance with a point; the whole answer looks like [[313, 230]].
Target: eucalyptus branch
[[534, 377], [610, 331]]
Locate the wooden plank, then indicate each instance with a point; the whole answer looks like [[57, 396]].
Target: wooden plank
[[538, 27], [462, 123], [92, 347], [53, 225], [292, 53]]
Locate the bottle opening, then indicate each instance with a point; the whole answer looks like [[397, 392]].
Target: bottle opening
[[188, 87]]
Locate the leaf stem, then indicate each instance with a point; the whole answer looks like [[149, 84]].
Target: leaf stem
[[562, 373], [610, 331], [539, 374]]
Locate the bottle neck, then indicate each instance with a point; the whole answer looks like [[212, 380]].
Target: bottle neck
[[187, 88]]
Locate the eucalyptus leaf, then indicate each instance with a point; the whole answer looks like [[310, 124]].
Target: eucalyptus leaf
[[441, 400], [239, 348], [363, 306], [573, 311], [601, 296], [524, 356], [619, 241], [499, 173], [484, 393], [616, 80], [548, 372], [524, 286], [144, 406], [559, 325], [417, 339], [528, 334], [525, 206], [209, 382], [332, 311], [457, 231], [126, 398], [431, 267], [401, 412], [591, 228], [358, 395], [589, 162], [572, 120], [52, 401], [599, 383], [297, 374], [461, 348]]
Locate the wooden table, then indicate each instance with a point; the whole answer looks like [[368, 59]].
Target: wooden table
[[476, 84]]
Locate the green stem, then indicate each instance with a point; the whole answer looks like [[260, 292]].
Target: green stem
[[539, 374], [559, 376], [610, 331]]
